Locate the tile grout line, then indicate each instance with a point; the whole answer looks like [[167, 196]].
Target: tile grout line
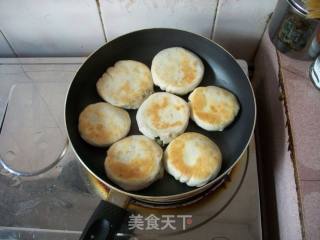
[[263, 33], [46, 63], [214, 23], [9, 44], [39, 230], [101, 20], [310, 180]]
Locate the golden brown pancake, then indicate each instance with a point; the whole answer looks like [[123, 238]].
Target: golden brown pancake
[[163, 116], [192, 158], [213, 108], [134, 162], [177, 70], [102, 124], [126, 84]]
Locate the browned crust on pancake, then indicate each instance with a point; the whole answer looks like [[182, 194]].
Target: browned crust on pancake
[[99, 133], [205, 163], [219, 111], [154, 111], [139, 167]]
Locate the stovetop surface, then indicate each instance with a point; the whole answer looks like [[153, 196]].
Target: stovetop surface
[[57, 203]]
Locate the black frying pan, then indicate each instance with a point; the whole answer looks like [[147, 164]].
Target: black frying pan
[[221, 69]]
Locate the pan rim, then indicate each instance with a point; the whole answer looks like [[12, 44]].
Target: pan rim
[[174, 196]]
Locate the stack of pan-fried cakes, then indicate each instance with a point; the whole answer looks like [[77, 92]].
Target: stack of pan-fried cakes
[[136, 161]]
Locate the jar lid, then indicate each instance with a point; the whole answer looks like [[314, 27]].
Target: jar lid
[[300, 5]]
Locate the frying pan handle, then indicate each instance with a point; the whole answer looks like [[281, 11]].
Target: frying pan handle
[[107, 218]]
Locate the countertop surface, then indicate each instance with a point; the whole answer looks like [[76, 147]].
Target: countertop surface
[[289, 139], [57, 203], [303, 112]]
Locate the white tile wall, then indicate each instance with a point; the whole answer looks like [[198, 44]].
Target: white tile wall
[[240, 24], [123, 16], [5, 50], [74, 27], [51, 27]]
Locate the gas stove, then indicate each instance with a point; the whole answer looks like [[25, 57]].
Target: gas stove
[[49, 195]]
